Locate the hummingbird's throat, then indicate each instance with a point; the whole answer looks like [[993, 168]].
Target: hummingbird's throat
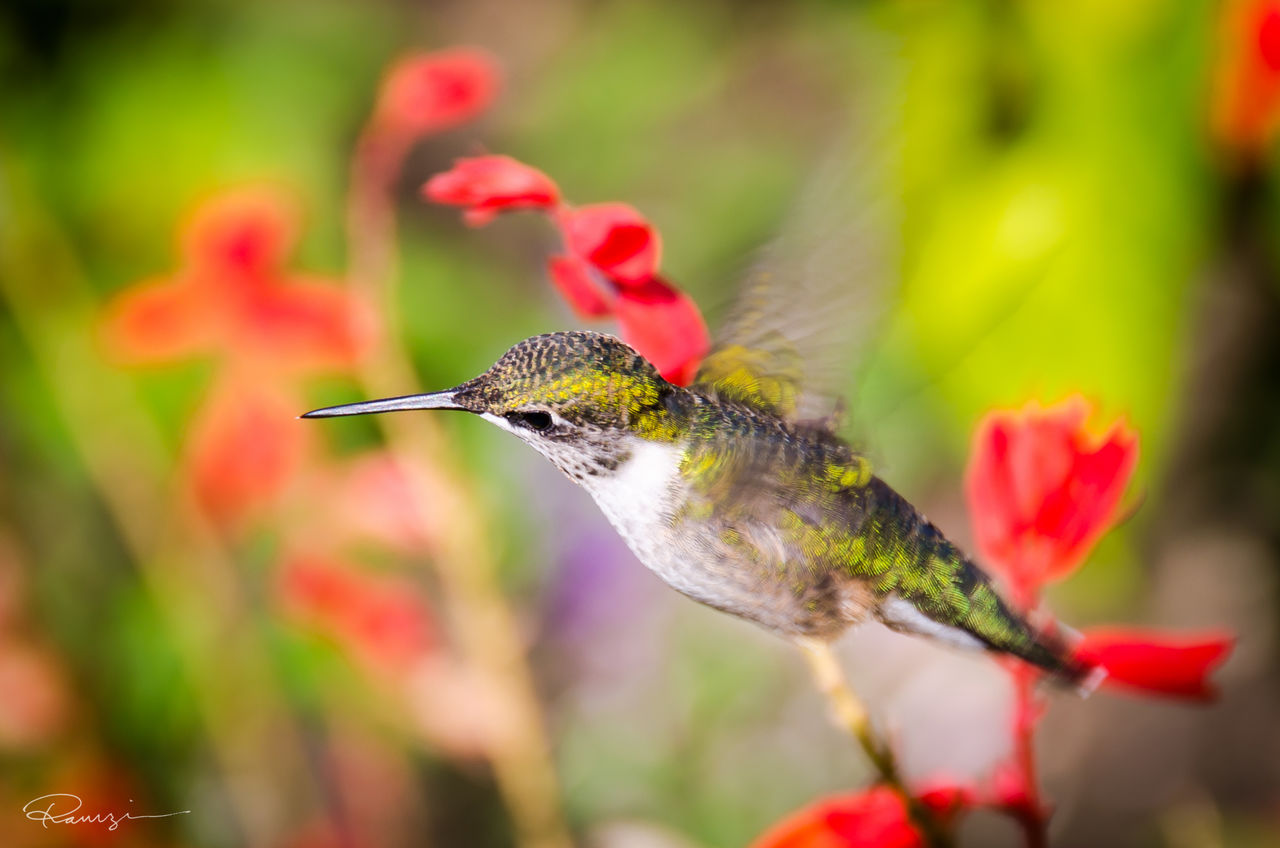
[[588, 459]]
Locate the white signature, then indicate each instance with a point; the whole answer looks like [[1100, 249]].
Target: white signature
[[47, 815]]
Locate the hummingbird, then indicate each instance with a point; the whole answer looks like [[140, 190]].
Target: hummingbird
[[734, 498], [738, 490]]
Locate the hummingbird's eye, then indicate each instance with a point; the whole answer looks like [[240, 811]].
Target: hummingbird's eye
[[540, 421]]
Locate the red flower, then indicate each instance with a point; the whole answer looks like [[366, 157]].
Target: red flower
[[380, 620], [665, 325], [571, 275], [245, 446], [947, 800], [615, 239], [1042, 490], [1156, 661], [233, 296], [610, 265], [874, 818], [430, 92], [487, 185], [1247, 88]]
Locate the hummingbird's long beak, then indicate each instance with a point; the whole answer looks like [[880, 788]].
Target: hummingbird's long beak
[[433, 400]]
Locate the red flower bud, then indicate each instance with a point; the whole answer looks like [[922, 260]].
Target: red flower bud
[[487, 185], [430, 92]]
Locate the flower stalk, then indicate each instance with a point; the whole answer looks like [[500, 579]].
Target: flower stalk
[[464, 562], [851, 714]]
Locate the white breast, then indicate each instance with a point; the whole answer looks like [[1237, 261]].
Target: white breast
[[639, 494], [638, 499]]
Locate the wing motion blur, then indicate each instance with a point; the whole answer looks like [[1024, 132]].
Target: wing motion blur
[[808, 307]]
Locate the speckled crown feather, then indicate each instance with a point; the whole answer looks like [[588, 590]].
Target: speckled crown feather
[[584, 377]]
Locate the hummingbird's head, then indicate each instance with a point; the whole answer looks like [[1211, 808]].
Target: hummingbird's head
[[581, 399]]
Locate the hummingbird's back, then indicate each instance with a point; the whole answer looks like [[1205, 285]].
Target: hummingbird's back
[[784, 524]]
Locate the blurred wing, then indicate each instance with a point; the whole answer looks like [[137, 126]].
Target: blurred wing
[[807, 308]]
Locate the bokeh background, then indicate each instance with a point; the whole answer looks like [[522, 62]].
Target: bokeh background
[[1087, 205]]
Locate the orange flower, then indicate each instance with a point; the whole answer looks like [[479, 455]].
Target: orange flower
[[245, 446], [232, 296]]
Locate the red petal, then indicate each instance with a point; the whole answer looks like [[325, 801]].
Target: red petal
[[490, 184], [379, 619], [876, 817], [305, 325], [1268, 29], [1084, 507], [246, 445], [1042, 490], [430, 92], [665, 327], [241, 233], [1175, 664], [572, 278], [390, 626], [615, 238], [161, 320], [947, 800]]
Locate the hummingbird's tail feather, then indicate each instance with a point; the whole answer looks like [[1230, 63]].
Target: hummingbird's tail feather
[[1013, 635], [1053, 654], [1061, 641], [930, 588]]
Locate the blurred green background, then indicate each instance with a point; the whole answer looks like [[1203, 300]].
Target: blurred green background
[[1077, 216]]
